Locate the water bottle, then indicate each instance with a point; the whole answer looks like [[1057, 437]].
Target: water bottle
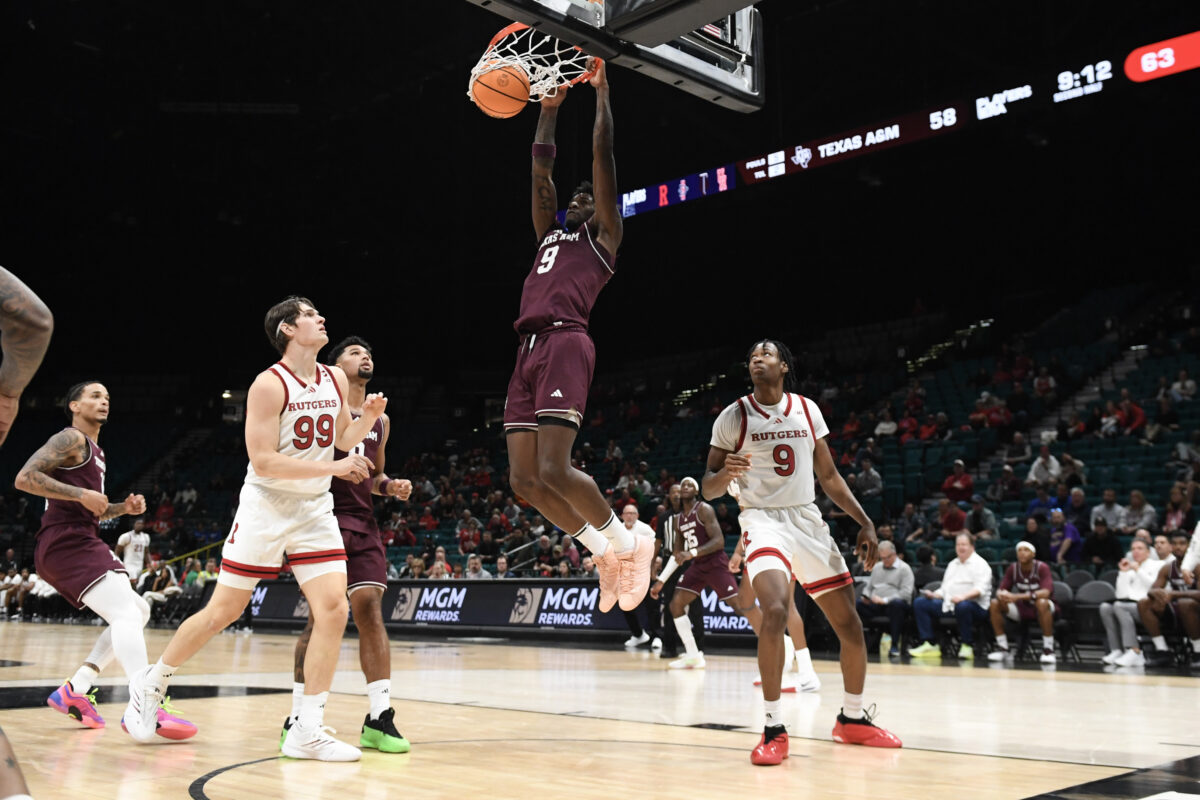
[[885, 644]]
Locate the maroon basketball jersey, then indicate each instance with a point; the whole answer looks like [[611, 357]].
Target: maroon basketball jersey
[[570, 270], [352, 503], [88, 475], [692, 533], [1020, 583], [1175, 581]]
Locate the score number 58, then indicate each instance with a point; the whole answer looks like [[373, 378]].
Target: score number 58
[[942, 119]]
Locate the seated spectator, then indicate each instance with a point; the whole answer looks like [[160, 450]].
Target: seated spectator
[[498, 525], [1007, 486], [853, 428], [1138, 514], [927, 569], [951, 519], [908, 427], [1171, 593], [563, 569], [543, 553], [1045, 469], [912, 526], [1074, 472], [1166, 418], [1137, 574], [1037, 532], [1112, 421], [1113, 513], [868, 481], [438, 572], [978, 418], [1071, 428], [1066, 545], [928, 430], [850, 457], [1077, 512], [428, 521], [1102, 547], [1045, 387], [502, 570], [1133, 419], [1018, 452], [1184, 388], [886, 425], [889, 590], [1179, 514], [1026, 594], [587, 568], [463, 521], [475, 570], [981, 521], [1161, 547], [964, 594], [571, 553], [469, 537], [488, 548], [958, 486], [1041, 504]]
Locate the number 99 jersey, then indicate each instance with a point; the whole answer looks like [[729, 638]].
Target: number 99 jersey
[[780, 441], [307, 427]]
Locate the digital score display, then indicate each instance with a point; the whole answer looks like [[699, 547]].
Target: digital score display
[[1070, 85]]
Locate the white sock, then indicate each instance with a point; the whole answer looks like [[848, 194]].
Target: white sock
[[1002, 641], [312, 710], [297, 696], [592, 539], [83, 679], [1196, 645], [620, 536], [852, 705], [804, 661], [160, 675], [379, 693], [789, 652], [1048, 643], [774, 713], [684, 626], [1160, 642]]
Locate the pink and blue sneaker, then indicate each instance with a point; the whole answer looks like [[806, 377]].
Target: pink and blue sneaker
[[169, 725], [79, 707]]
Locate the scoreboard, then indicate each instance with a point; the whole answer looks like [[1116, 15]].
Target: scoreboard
[[1073, 84]]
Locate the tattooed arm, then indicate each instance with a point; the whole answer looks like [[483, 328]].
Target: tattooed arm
[[67, 448], [26, 325]]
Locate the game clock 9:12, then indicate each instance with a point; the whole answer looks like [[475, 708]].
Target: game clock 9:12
[[1092, 73]]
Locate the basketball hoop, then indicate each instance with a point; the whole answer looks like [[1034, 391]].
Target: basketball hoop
[[549, 63]]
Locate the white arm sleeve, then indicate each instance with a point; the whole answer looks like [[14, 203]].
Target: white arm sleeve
[[668, 570]]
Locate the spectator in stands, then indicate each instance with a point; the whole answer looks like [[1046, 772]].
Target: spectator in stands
[[463, 521], [587, 568], [907, 426], [889, 590], [853, 428], [927, 569], [1007, 486], [1112, 421], [1074, 472], [1184, 388], [1041, 504], [538, 527], [914, 401], [613, 453], [475, 570], [1138, 572], [928, 431], [439, 557], [728, 528], [944, 431], [469, 537], [488, 548], [959, 485], [951, 519], [981, 521], [886, 425], [1113, 513], [979, 417], [1133, 419], [868, 482], [1018, 452], [498, 525], [1077, 512], [563, 569], [1071, 428], [912, 526], [10, 561], [1045, 469], [964, 594], [570, 552], [543, 553], [1166, 418], [1038, 534], [1138, 514], [511, 509], [502, 570], [1179, 515], [438, 572], [1025, 595], [1045, 387], [428, 521], [1172, 592], [1017, 404], [1066, 545], [1101, 547], [1161, 547]]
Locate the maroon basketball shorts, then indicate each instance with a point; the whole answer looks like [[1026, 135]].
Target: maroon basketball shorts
[[366, 560], [552, 377], [72, 559], [711, 571]]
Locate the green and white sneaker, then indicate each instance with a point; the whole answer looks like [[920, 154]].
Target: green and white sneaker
[[287, 726], [966, 652], [381, 734]]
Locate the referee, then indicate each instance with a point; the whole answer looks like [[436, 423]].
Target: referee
[[667, 526]]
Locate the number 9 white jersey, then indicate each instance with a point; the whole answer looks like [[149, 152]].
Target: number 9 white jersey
[[307, 427], [780, 441]]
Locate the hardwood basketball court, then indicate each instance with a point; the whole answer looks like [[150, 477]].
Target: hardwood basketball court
[[514, 719]]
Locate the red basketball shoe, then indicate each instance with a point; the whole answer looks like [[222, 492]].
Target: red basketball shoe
[[770, 751], [863, 731]]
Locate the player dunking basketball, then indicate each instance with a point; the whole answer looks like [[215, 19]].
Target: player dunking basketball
[[548, 390], [69, 472], [765, 448], [295, 415], [366, 558]]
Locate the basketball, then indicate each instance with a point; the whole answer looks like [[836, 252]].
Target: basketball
[[501, 92]]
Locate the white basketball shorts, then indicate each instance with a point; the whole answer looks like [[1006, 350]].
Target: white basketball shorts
[[270, 524], [795, 540]]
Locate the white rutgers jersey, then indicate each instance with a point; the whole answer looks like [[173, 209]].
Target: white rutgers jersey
[[780, 441], [307, 427]]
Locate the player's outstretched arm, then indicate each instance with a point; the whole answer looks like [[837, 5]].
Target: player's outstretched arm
[[835, 486], [604, 168], [381, 484], [263, 403], [350, 432], [545, 197], [26, 325]]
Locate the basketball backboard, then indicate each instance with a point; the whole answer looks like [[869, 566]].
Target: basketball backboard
[[709, 48]]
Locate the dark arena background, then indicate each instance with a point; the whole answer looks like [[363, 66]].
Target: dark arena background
[[929, 202]]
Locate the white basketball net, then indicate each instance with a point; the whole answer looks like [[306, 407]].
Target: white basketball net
[[547, 62]]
